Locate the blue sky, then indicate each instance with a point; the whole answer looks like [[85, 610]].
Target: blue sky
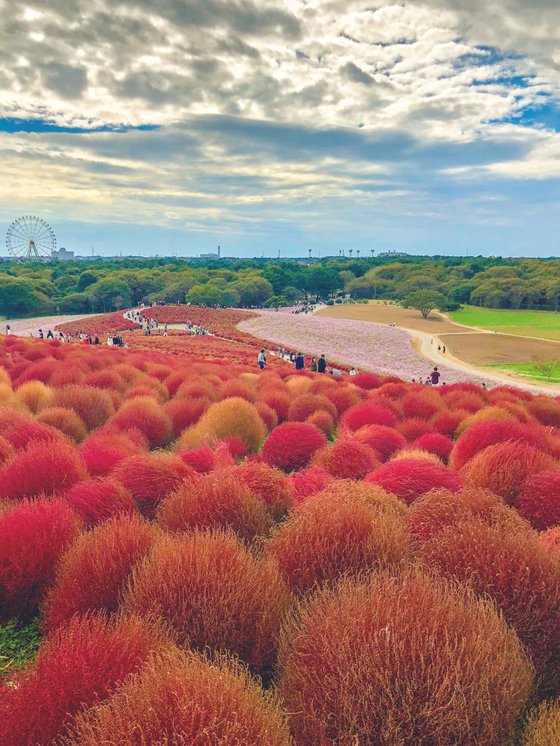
[[266, 125]]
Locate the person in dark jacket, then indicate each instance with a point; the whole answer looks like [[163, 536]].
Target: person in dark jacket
[[300, 361], [322, 364]]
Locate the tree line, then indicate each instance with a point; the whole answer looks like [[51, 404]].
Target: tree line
[[111, 285]]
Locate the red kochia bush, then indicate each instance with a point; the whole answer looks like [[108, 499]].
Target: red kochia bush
[[368, 413], [367, 381], [337, 533], [148, 416], [151, 477], [6, 450], [503, 467], [305, 405], [346, 459], [550, 539], [510, 567], [291, 445], [214, 593], [384, 440], [435, 443], [33, 536], [216, 500], [102, 451], [488, 433], [182, 698], [78, 666], [414, 428], [95, 569], [94, 406], [309, 481], [185, 412], [439, 508], [200, 459], [272, 486], [539, 500], [42, 468], [96, 500], [408, 478], [402, 660]]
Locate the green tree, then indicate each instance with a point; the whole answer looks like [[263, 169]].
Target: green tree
[[86, 279], [425, 301], [252, 291], [19, 298], [110, 294]]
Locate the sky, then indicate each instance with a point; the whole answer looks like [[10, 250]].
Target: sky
[[171, 127]]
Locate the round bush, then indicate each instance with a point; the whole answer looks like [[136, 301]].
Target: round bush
[[502, 468], [96, 500], [367, 413], [510, 567], [272, 486], [214, 593], [94, 570], [33, 536], [323, 421], [150, 477], [402, 660], [437, 444], [414, 428], [334, 534], [488, 433], [366, 381], [182, 698], [305, 405], [550, 539], [384, 440], [538, 500], [185, 412], [94, 406], [408, 478], [145, 414], [102, 451], [346, 459], [309, 481], [233, 417], [202, 460], [291, 446], [80, 665], [216, 500], [42, 468], [34, 395], [66, 420], [543, 725]]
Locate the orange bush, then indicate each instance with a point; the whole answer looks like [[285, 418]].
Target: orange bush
[[414, 428], [94, 406], [145, 414], [488, 433], [34, 395], [545, 409], [346, 459], [217, 500], [94, 570], [543, 725], [182, 698], [214, 594], [272, 486], [402, 660], [229, 418], [66, 420], [334, 534], [384, 440], [305, 405]]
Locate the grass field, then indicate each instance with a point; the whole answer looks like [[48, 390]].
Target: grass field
[[529, 371], [541, 324]]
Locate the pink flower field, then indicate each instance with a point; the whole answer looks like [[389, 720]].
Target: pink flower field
[[366, 346]]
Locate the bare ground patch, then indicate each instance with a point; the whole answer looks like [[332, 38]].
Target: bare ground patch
[[379, 313], [499, 349]]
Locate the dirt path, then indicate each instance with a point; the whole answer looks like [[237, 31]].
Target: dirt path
[[30, 327]]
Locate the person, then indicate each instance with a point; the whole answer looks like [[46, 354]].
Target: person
[[50, 335], [435, 376], [443, 349], [109, 341], [8, 329], [96, 340], [352, 371], [335, 372], [300, 361], [41, 335], [292, 357], [314, 364], [322, 364], [261, 359]]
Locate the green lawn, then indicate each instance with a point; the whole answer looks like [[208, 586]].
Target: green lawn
[[529, 370], [541, 324]]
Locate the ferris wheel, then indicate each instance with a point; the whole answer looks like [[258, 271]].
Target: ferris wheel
[[30, 237]]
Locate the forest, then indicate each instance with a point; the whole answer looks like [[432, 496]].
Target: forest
[[110, 285]]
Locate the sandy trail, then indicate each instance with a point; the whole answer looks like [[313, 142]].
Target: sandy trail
[[30, 327]]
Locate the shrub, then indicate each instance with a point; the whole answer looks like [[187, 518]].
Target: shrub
[[41, 469], [103, 451], [19, 432], [272, 486], [414, 428], [402, 660], [408, 478], [291, 446], [94, 570], [145, 414], [368, 413], [34, 395], [435, 443], [421, 404], [543, 725], [98, 499], [230, 417], [512, 569], [384, 440], [94, 406], [550, 539], [78, 666], [267, 415], [488, 433], [502, 468], [217, 500], [309, 481], [185, 412], [439, 508], [546, 410], [343, 397], [278, 400], [150, 477], [346, 459], [366, 381], [182, 698], [214, 594], [201, 459], [334, 534], [447, 422], [6, 450], [538, 500], [33, 536], [323, 421], [65, 420], [305, 405]]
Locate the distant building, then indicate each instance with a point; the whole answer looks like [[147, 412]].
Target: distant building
[[211, 256], [393, 253], [62, 255]]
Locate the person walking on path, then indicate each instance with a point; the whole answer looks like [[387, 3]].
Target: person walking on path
[[314, 364], [435, 376], [300, 361], [322, 364], [261, 359]]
